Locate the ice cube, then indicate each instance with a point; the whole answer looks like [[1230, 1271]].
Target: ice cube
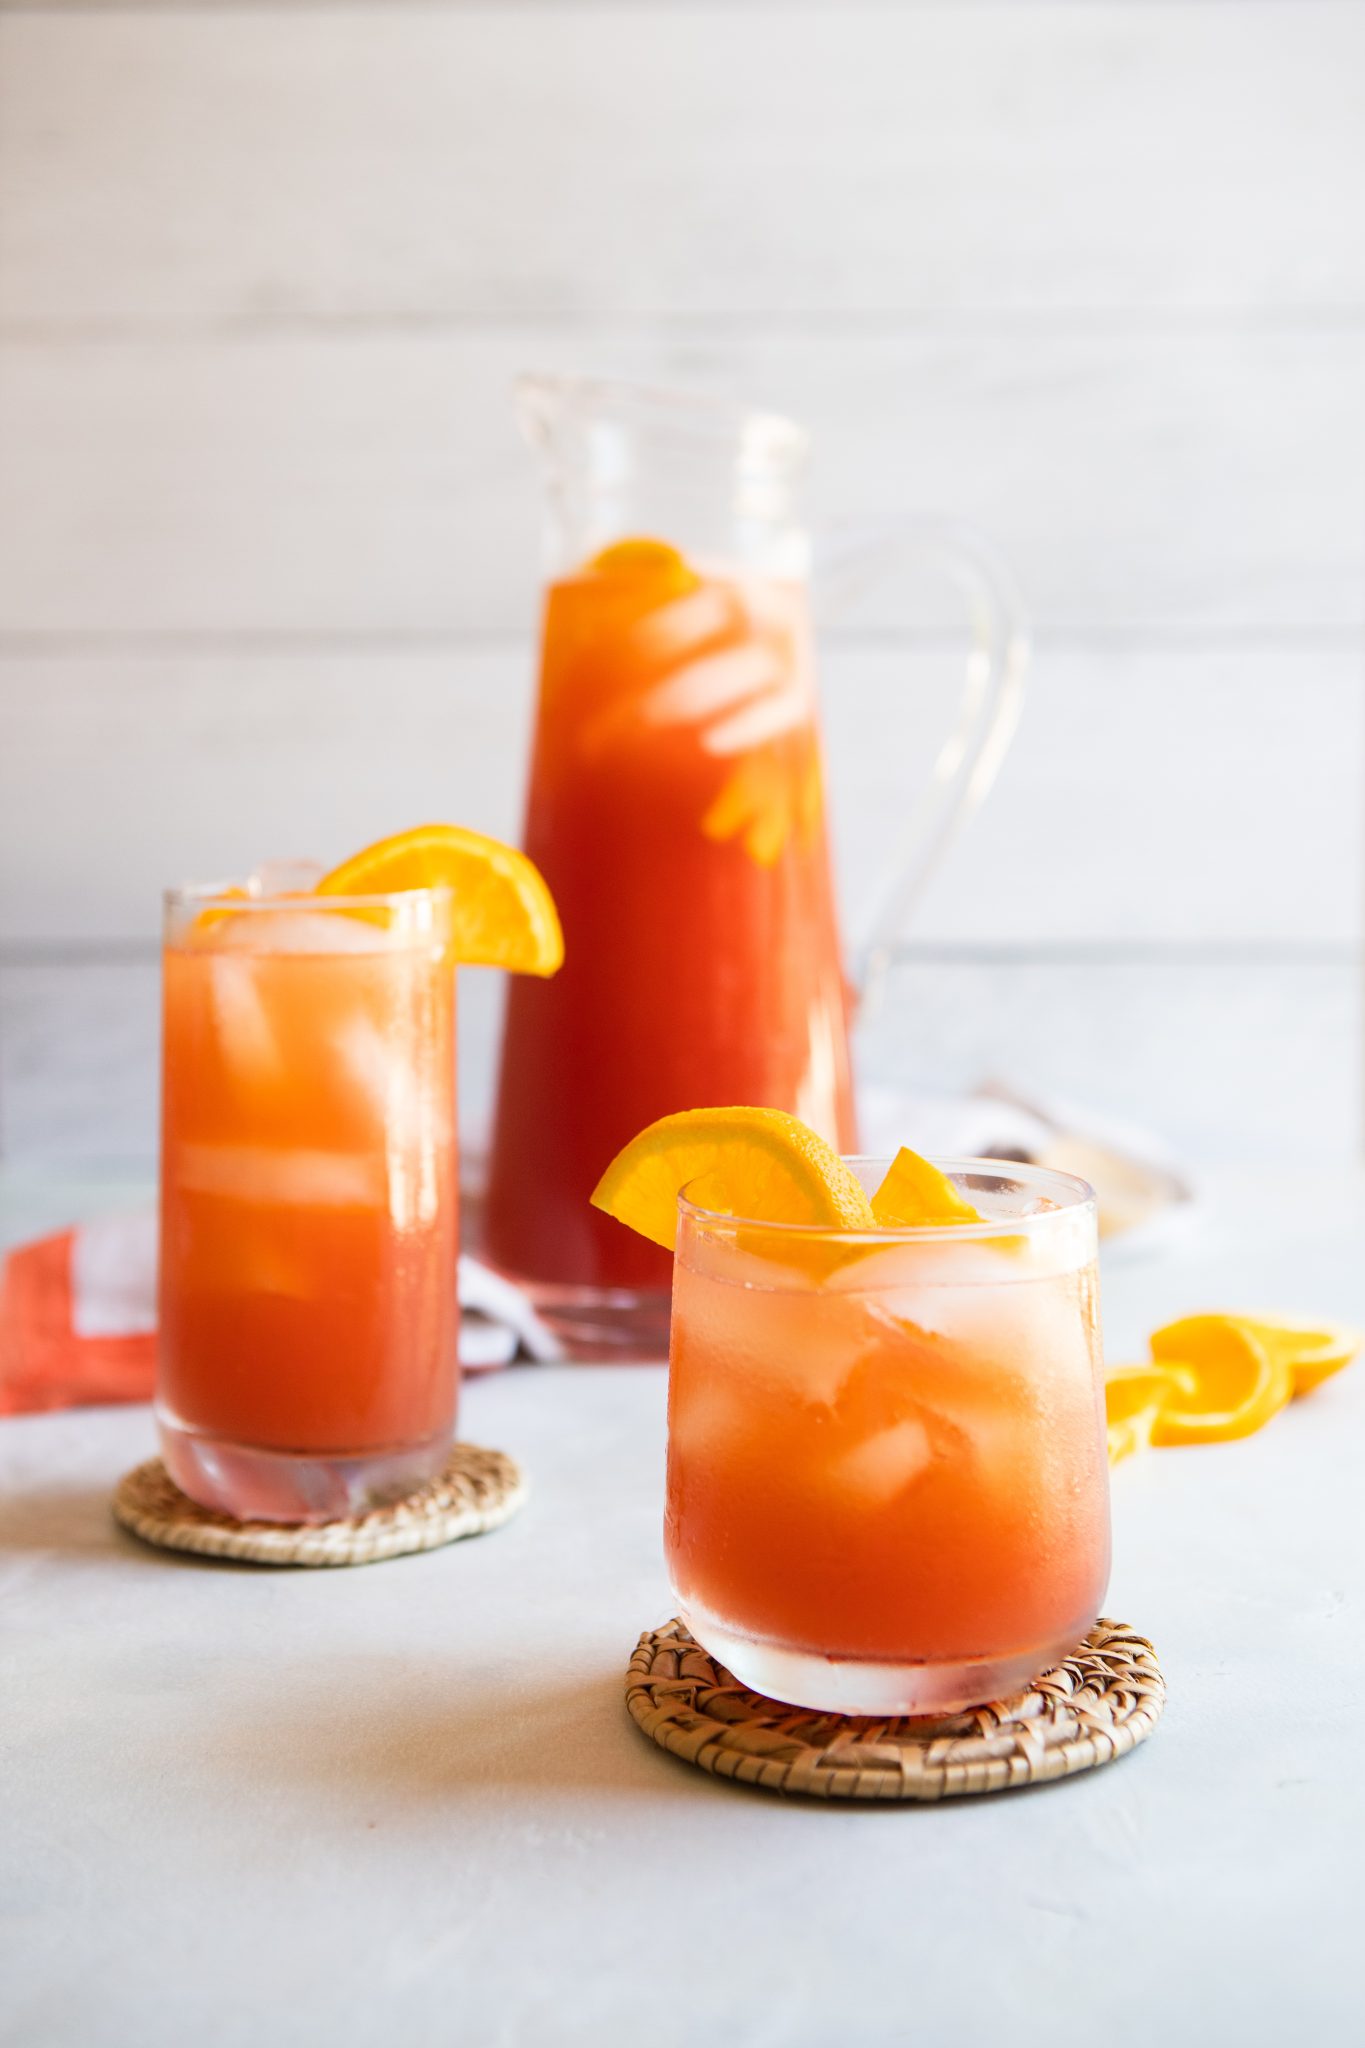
[[1032, 1323], [252, 1255], [1002, 1377], [292, 1178], [383, 1075], [247, 1042], [673, 631], [741, 1258], [873, 1472], [285, 877], [928, 1263], [717, 682], [760, 720], [709, 1415], [299, 931], [955, 1405], [1052, 1246], [781, 1345], [773, 607]]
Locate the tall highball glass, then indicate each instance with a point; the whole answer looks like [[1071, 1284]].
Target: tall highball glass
[[308, 1348]]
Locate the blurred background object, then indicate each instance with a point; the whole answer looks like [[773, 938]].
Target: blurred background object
[[1089, 277]]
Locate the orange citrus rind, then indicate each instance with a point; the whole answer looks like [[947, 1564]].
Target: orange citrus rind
[[1232, 1385], [1313, 1354], [654, 564], [760, 1164], [502, 912], [915, 1193]]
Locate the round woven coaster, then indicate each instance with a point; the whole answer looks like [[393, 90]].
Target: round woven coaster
[[477, 1490], [1101, 1702]]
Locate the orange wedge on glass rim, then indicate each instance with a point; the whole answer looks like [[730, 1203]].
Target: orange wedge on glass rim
[[503, 914], [766, 1166], [915, 1193], [1231, 1385], [761, 1164]]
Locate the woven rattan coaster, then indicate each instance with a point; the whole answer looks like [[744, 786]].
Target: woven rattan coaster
[[477, 1490], [1101, 1702]]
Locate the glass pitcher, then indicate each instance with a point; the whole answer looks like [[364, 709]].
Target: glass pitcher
[[677, 809]]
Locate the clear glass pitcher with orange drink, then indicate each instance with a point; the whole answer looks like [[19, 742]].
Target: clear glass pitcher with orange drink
[[676, 807]]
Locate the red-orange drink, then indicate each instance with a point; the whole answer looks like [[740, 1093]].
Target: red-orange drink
[[308, 1313], [887, 1475], [676, 810]]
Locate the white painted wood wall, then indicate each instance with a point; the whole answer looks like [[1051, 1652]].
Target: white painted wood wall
[[1091, 276]]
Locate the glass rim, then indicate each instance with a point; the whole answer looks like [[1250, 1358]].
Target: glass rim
[[1070, 1196], [233, 896]]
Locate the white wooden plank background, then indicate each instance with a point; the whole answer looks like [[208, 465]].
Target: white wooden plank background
[[372, 484], [1089, 276], [1153, 794], [393, 162]]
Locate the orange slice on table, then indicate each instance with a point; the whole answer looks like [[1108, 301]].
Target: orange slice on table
[[1232, 1385], [757, 1163], [503, 913], [1312, 1355], [914, 1192], [1134, 1396]]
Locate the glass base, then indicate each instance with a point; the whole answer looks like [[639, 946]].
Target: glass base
[[834, 1685], [602, 1325], [254, 1485]]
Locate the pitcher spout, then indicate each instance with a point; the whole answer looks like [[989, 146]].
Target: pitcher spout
[[711, 475]]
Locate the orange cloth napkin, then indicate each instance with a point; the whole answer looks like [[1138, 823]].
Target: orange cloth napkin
[[46, 1361], [78, 1317]]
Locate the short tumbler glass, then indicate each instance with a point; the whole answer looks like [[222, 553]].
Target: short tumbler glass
[[309, 1325], [888, 1490]]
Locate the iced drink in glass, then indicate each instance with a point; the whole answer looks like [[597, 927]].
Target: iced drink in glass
[[308, 1315], [887, 1476]]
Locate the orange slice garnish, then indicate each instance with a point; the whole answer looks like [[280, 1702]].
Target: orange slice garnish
[[757, 1163], [503, 915], [1231, 1386], [914, 1192], [655, 563]]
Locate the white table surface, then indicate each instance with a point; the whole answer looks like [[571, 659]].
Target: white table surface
[[405, 1805]]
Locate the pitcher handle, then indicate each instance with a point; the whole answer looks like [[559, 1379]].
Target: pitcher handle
[[988, 713]]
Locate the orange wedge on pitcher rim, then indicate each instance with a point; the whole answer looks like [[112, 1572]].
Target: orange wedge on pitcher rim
[[502, 913], [1230, 1386], [655, 565]]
